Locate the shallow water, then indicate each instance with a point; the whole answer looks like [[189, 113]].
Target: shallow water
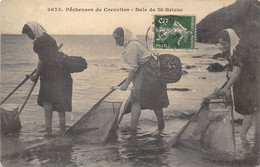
[[104, 71]]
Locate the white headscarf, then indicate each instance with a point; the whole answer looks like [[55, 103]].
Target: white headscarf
[[37, 29], [234, 40], [128, 36]]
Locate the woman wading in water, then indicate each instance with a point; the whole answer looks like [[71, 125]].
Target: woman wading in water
[[244, 79], [149, 92], [55, 84]]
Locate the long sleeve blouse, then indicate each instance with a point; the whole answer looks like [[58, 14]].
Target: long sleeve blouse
[[135, 54]]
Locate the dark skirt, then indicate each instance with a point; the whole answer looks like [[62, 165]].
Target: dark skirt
[[56, 90], [148, 89], [246, 88]]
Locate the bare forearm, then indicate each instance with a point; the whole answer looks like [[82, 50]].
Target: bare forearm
[[130, 77], [233, 77]]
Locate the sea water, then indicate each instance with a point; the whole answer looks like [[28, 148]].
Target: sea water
[[105, 69]]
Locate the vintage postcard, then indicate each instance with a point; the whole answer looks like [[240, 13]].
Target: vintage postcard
[[130, 83]]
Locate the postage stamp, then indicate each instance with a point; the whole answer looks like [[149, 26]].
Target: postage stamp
[[174, 32]]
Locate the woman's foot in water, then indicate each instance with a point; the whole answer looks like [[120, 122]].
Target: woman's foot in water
[[133, 134], [47, 130], [158, 132], [161, 124], [62, 129], [160, 129]]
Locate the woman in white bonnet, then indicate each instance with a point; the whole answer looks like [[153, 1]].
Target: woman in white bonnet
[[56, 84], [149, 92], [243, 79]]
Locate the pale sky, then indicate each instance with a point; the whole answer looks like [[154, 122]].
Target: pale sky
[[15, 13]]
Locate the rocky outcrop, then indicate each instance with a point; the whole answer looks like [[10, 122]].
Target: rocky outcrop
[[215, 67], [242, 16], [218, 55]]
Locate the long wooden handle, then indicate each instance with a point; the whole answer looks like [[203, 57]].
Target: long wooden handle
[[173, 141], [17, 87], [124, 111], [115, 127], [94, 107], [25, 101]]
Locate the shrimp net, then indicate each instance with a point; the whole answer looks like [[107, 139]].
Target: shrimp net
[[98, 123], [211, 129], [10, 123]]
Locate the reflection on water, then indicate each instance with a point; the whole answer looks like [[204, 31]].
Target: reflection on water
[[124, 148], [45, 152]]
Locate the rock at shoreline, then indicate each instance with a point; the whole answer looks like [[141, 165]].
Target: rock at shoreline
[[196, 56], [215, 67], [190, 66], [179, 89], [184, 72], [218, 55]]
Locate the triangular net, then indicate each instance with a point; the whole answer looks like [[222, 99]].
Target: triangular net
[[97, 124], [212, 128], [10, 124]]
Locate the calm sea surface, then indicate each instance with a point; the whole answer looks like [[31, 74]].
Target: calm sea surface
[[105, 69]]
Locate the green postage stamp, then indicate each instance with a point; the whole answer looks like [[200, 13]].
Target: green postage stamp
[[174, 32]]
